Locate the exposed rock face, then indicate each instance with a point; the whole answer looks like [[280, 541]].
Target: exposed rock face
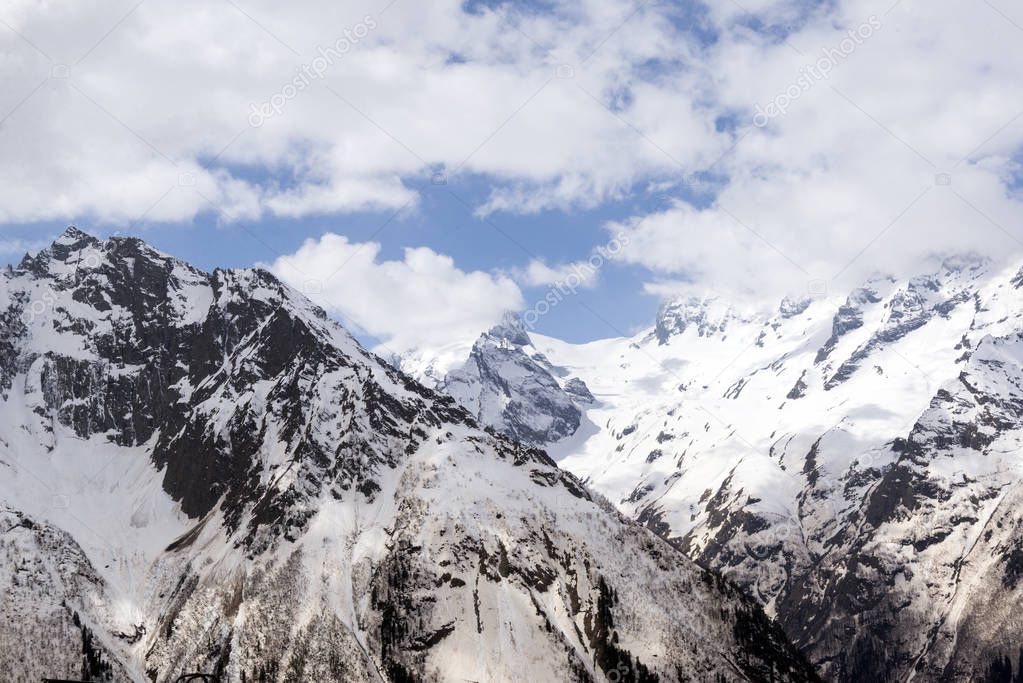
[[577, 389], [848, 318], [791, 307], [707, 316], [202, 472]]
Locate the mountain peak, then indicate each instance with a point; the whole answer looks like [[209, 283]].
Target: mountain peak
[[790, 306], [964, 262], [73, 235], [69, 247], [708, 315], [511, 330]]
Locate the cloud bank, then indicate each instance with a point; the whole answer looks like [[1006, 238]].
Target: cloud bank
[[830, 139]]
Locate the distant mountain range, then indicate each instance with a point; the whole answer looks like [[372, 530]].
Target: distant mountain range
[[853, 460]]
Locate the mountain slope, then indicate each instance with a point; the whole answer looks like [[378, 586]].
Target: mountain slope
[[852, 460], [239, 487]]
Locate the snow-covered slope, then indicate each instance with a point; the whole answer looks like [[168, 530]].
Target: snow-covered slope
[[202, 472], [852, 461]]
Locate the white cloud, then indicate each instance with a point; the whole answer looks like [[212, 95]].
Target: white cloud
[[420, 301], [851, 179], [576, 274], [104, 130], [339, 196]]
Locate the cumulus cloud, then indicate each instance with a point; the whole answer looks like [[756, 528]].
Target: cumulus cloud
[[581, 273], [422, 300], [128, 111], [898, 157], [575, 274]]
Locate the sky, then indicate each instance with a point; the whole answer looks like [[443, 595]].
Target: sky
[[419, 169]]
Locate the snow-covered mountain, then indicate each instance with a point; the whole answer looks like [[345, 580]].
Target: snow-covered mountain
[[203, 472], [851, 460], [507, 384]]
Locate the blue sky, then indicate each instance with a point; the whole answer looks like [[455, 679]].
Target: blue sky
[[442, 221]]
